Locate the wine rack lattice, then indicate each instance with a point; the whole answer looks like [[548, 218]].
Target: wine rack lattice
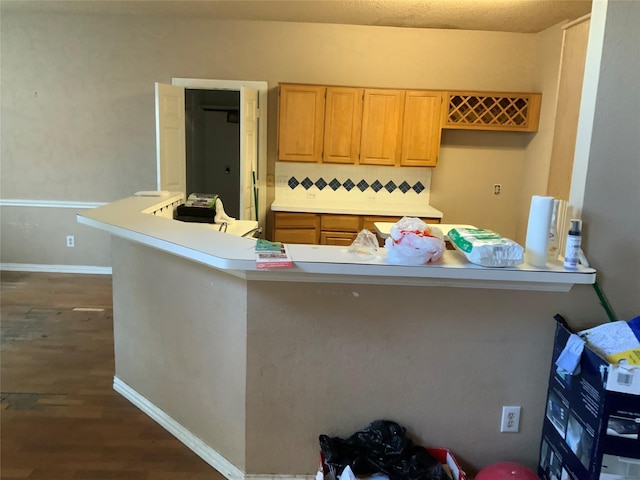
[[492, 112]]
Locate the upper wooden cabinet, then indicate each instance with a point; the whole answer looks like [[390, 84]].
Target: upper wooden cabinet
[[300, 125], [472, 110], [421, 128], [359, 126], [319, 124], [342, 120], [381, 127], [401, 128]]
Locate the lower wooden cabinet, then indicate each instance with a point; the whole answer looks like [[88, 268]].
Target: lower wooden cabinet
[[339, 229], [293, 235], [297, 228], [327, 229], [341, 223], [337, 238]]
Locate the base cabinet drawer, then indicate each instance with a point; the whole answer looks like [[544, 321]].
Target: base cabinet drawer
[[336, 229], [295, 235], [296, 220], [296, 228], [341, 223], [369, 221], [337, 238]]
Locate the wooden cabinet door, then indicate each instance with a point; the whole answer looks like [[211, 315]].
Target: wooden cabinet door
[[337, 238], [421, 129], [370, 220], [342, 120], [296, 235], [336, 229], [296, 227], [300, 122], [341, 223], [296, 220], [381, 126]]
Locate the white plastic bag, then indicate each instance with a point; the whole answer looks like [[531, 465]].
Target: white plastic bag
[[413, 242], [486, 247], [365, 244]]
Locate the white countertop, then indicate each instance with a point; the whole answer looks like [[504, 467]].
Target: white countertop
[[132, 218], [237, 227], [369, 208]]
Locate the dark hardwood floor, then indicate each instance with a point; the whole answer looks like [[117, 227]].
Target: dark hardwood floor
[[60, 418]]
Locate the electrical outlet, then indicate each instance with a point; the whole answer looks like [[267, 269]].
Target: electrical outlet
[[71, 241], [510, 419], [281, 181]]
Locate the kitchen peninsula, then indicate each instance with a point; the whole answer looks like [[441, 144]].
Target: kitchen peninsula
[[248, 367]]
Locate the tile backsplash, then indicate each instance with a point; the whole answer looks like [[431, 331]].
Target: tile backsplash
[[304, 183]]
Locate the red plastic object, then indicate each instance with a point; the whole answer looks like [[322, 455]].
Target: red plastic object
[[445, 457], [506, 471]]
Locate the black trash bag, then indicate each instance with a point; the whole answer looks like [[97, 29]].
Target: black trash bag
[[381, 447]]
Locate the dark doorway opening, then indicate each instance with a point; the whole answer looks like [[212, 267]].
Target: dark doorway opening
[[213, 145]]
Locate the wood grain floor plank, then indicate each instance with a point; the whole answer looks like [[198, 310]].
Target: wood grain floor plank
[[60, 417]]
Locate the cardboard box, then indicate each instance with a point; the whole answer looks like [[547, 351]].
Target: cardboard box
[[591, 429]]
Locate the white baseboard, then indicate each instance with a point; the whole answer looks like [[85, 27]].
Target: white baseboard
[[33, 267], [200, 448], [195, 444]]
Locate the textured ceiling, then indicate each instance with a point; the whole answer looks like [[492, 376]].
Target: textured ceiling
[[524, 16]]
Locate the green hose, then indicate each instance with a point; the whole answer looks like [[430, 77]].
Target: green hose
[[255, 195], [604, 302]]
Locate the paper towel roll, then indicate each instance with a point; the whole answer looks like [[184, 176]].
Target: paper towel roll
[[535, 250]]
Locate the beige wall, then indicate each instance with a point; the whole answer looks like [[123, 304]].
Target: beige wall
[[258, 370], [472, 162], [37, 235], [78, 107], [330, 358], [180, 341], [535, 174]]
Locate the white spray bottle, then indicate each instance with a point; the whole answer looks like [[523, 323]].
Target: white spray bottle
[[572, 245]]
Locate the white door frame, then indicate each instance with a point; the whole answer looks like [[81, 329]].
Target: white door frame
[[262, 88]]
